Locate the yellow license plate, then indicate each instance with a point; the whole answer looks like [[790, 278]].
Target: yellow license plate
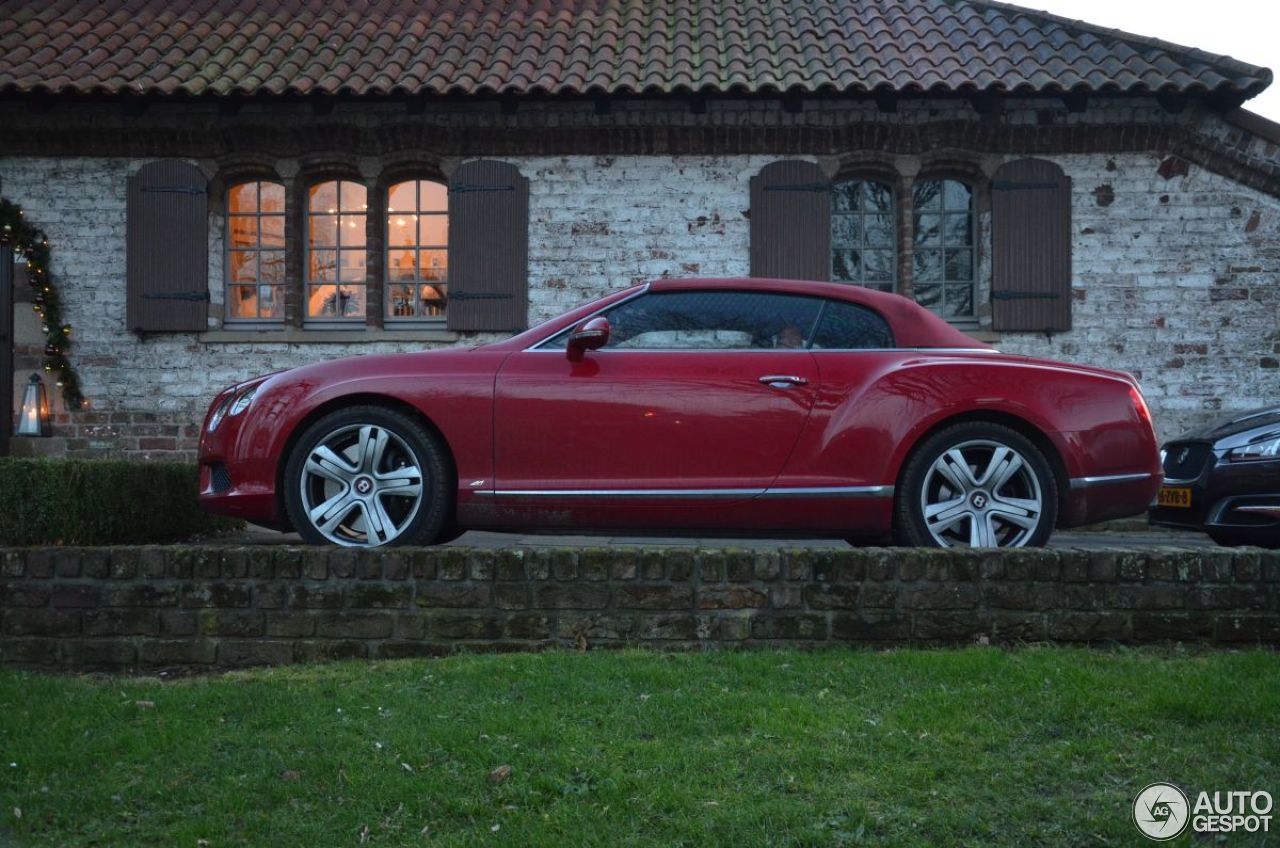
[[1174, 496]]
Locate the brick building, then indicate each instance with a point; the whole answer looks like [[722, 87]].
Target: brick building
[[231, 188]]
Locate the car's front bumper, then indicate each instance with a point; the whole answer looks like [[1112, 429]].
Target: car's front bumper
[[234, 480], [1242, 498]]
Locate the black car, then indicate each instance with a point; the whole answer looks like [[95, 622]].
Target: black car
[[1224, 480]]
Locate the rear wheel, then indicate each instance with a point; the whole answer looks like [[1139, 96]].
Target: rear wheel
[[368, 476], [976, 485]]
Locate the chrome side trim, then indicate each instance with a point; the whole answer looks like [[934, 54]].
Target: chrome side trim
[[831, 492], [1106, 479], [709, 494]]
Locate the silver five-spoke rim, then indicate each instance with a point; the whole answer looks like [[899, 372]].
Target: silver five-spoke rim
[[981, 494], [361, 486]]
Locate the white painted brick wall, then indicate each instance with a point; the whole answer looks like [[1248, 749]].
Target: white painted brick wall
[[1150, 272]]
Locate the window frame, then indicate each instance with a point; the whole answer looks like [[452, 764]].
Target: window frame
[[308, 321], [390, 181], [228, 320]]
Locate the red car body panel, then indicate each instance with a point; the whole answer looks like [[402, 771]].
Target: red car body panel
[[542, 442]]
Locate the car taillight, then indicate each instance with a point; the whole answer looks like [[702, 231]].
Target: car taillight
[[1140, 405]]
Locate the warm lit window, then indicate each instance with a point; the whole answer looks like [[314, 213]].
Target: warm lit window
[[417, 249], [943, 269], [863, 235], [255, 252], [336, 259]]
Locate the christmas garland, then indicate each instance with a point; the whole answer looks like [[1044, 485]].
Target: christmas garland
[[34, 246]]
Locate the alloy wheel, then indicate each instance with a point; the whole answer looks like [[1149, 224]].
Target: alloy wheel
[[981, 493], [361, 485]]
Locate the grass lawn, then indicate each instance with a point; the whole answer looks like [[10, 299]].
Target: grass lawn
[[1038, 746]]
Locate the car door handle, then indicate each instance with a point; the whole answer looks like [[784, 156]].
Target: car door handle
[[783, 381]]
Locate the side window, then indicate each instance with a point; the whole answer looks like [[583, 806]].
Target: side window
[[337, 264], [417, 250], [255, 252], [710, 320], [864, 234], [847, 326]]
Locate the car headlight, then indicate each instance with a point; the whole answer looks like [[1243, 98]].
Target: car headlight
[[242, 401], [219, 413], [1265, 449]]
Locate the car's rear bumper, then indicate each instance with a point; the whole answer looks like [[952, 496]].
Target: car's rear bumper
[[1104, 497]]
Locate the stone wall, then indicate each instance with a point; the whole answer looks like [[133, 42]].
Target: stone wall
[[1175, 265], [127, 609]]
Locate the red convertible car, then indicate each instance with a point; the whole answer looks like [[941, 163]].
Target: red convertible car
[[741, 406]]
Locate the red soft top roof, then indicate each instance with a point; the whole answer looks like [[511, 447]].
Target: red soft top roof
[[913, 325]]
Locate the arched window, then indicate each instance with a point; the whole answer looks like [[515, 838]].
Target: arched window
[[417, 250], [943, 254], [863, 233], [255, 252], [337, 261]]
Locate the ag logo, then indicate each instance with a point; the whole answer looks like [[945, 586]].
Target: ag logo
[[1161, 811]]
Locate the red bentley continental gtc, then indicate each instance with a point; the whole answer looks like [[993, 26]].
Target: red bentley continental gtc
[[734, 406]]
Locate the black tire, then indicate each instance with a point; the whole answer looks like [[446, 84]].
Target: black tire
[[909, 522], [1239, 538], [434, 511]]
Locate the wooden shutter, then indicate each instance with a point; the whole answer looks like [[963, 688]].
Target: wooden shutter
[[791, 222], [488, 247], [1031, 247], [167, 249]]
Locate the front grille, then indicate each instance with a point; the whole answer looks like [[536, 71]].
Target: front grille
[[220, 477], [1185, 461]]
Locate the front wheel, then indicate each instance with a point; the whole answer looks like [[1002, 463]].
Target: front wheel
[[368, 476], [976, 485]]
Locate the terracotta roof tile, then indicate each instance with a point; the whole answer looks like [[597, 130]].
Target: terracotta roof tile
[[377, 47]]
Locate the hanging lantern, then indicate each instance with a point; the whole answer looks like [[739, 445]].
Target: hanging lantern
[[34, 418]]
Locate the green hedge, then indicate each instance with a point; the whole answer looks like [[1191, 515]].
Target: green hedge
[[100, 502]]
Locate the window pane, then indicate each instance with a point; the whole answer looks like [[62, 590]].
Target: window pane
[[272, 195], [928, 266], [929, 295], [335, 302], [847, 326], [879, 230], [927, 196], [928, 230], [846, 231], [324, 198], [401, 198], [846, 266], [844, 196], [271, 230], [432, 300], [352, 230], [877, 197], [242, 301], [354, 197], [958, 230], [433, 265], [400, 265], [322, 265], [402, 229], [959, 302], [711, 320], [877, 266], [244, 231], [352, 266], [270, 302], [242, 266], [400, 301], [324, 230], [271, 266], [242, 198], [960, 265], [956, 195], [433, 230], [435, 197]]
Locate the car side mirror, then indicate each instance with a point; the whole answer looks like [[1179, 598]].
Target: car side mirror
[[589, 335]]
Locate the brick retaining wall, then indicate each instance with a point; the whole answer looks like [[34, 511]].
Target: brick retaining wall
[[179, 607]]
